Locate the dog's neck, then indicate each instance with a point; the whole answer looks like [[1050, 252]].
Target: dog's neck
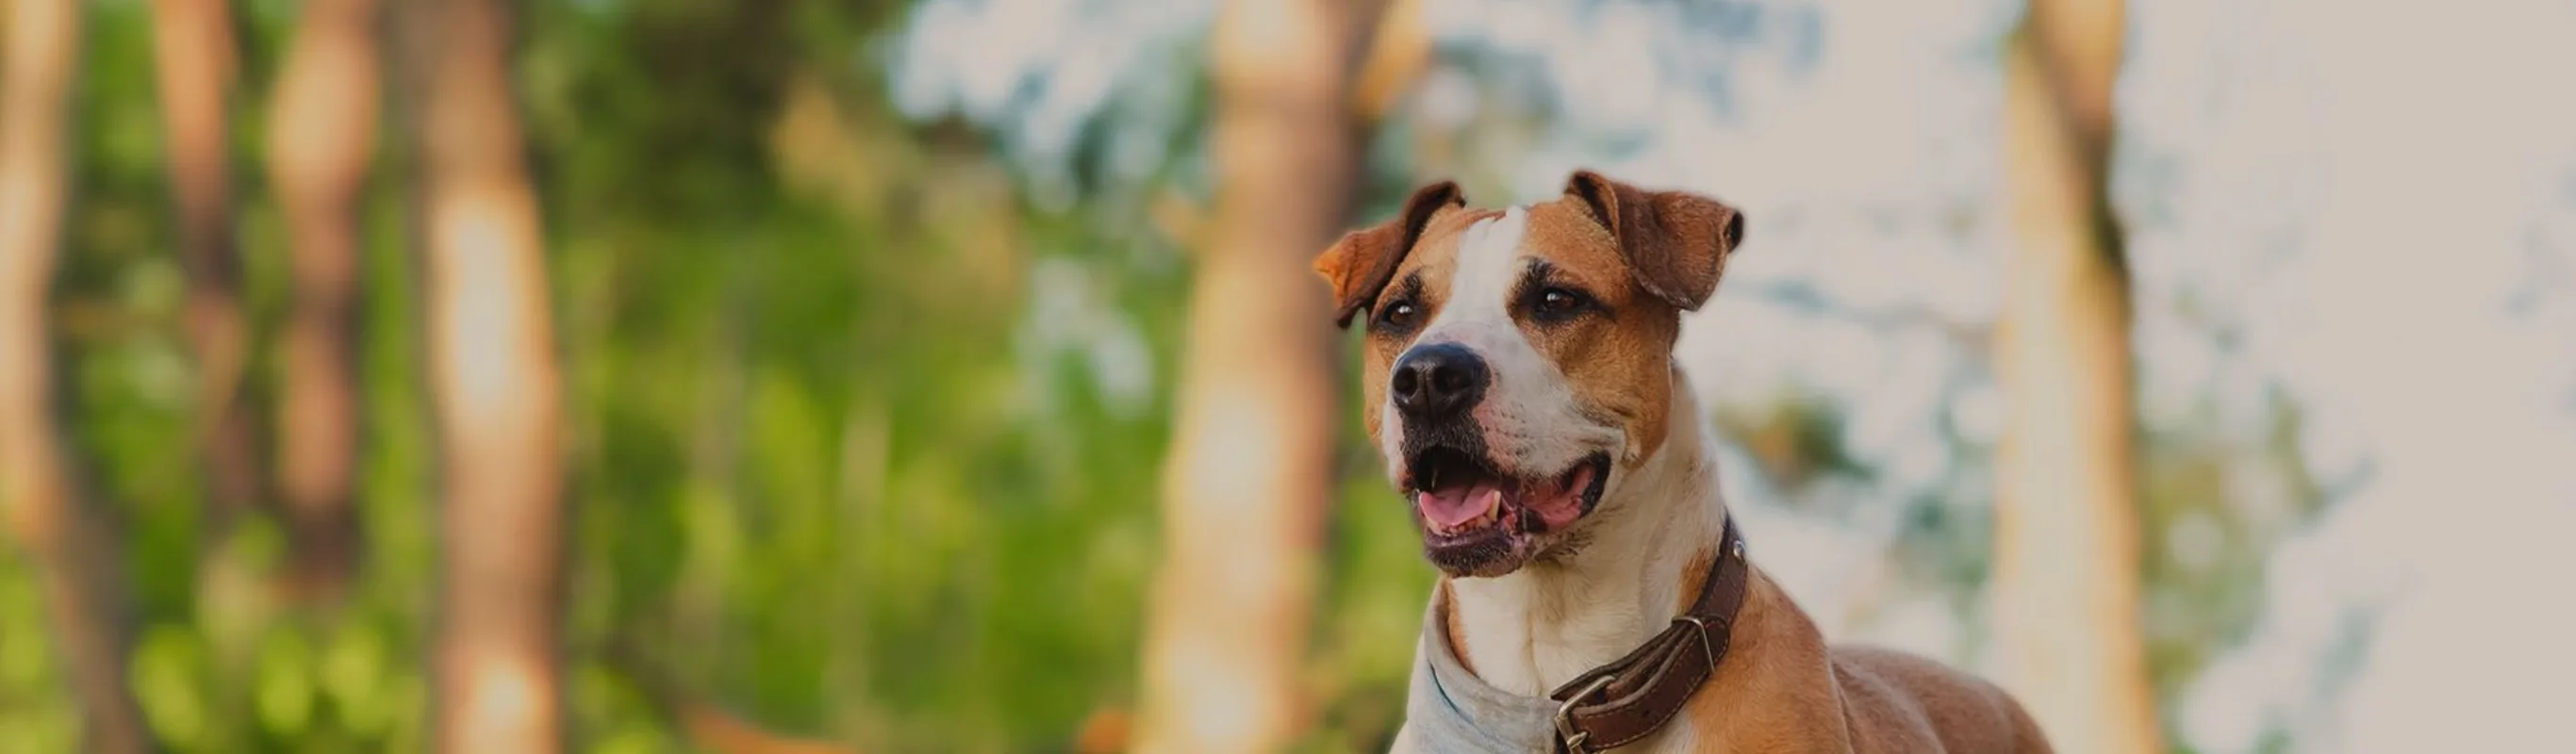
[[1532, 629]]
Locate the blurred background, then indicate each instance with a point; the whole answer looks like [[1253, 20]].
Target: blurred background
[[830, 375]]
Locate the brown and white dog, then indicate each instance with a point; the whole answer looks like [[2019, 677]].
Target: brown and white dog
[[1521, 385]]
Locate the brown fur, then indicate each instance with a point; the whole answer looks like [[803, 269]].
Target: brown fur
[[1619, 364], [1361, 263], [1677, 243]]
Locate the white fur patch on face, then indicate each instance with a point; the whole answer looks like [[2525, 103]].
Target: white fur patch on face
[[1532, 423], [1488, 267]]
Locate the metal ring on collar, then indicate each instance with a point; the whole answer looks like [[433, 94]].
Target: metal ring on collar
[[1705, 649], [1575, 739]]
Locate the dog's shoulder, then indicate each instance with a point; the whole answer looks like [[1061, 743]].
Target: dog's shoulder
[[1783, 687], [1772, 691]]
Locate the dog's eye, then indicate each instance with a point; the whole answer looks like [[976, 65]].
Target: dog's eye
[[1558, 305], [1400, 314]]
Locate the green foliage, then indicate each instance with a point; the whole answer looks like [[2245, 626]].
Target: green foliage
[[823, 473]]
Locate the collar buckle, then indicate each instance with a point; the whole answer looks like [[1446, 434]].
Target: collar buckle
[[1577, 741]]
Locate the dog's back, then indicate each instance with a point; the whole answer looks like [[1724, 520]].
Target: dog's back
[[1898, 702]]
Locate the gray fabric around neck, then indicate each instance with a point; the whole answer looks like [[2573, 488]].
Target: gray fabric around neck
[[1451, 711]]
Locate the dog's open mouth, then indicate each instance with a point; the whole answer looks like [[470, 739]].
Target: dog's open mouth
[[1478, 520]]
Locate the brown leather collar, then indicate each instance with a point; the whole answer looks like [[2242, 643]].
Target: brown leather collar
[[1633, 696]]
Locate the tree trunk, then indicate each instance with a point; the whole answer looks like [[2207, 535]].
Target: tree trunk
[[193, 56], [1250, 477], [46, 509], [2066, 589], [322, 129], [496, 667]]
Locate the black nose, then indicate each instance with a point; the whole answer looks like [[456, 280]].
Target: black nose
[[1438, 380]]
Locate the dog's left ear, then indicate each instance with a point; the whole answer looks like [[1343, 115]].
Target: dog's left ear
[[1364, 261], [1676, 243]]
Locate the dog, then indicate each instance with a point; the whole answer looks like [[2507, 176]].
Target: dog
[[1520, 383]]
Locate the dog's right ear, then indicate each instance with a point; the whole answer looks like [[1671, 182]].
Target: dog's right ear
[[1363, 262]]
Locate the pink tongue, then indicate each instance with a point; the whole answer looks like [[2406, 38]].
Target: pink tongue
[[1450, 507]]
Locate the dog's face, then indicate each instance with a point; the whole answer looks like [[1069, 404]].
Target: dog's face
[[1518, 360]]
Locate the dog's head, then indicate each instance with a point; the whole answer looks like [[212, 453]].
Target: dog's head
[[1519, 359]]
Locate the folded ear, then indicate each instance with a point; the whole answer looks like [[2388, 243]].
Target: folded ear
[[1364, 260], [1676, 243]]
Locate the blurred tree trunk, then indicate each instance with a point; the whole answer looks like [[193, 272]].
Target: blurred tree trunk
[[322, 130], [1250, 477], [46, 509], [193, 55], [496, 665], [2067, 571]]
